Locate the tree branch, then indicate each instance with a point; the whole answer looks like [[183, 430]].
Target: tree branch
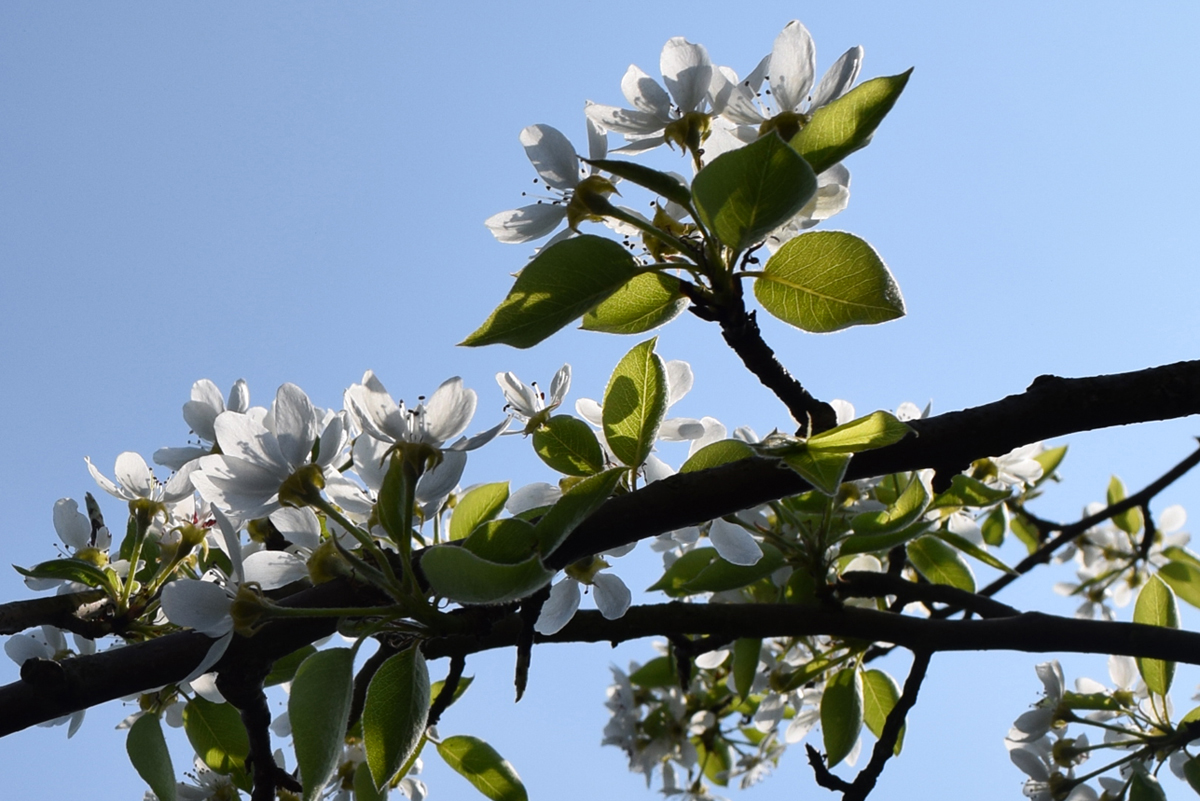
[[69, 612]]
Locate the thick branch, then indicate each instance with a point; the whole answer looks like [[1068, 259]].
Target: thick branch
[[1051, 407], [67, 612]]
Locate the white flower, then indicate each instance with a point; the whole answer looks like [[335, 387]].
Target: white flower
[[528, 403], [554, 158], [1018, 467], [135, 481], [612, 599], [1035, 723], [256, 458], [49, 643], [200, 413], [657, 117]]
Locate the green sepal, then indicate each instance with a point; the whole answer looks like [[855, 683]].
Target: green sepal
[[646, 302], [576, 505], [150, 757], [716, 454], [635, 403], [481, 504], [1156, 606], [880, 694], [841, 714], [459, 575], [662, 184], [557, 287], [825, 281], [395, 713], [319, 709], [568, 445], [845, 125], [743, 195], [940, 563], [482, 766], [216, 733]]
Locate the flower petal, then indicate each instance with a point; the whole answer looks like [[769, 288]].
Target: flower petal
[[611, 594], [793, 64], [733, 543], [274, 569], [134, 476], [644, 93], [552, 155], [838, 78], [295, 424], [559, 608], [687, 72], [527, 223], [200, 605], [71, 525]]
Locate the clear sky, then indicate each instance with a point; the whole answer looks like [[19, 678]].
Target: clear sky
[[295, 192]]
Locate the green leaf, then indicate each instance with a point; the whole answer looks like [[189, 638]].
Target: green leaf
[[1191, 771], [825, 281], [1129, 521], [576, 505], [683, 570], [563, 282], [822, 469], [810, 670], [478, 763], [839, 128], [745, 194], [876, 430], [435, 689], [646, 302], [459, 575], [880, 694], [319, 708], [481, 504], [662, 184], [506, 542], [907, 509], [940, 564], [745, 664], [1144, 787], [841, 714], [218, 737], [719, 575], [68, 570], [568, 445], [871, 543], [971, 549], [967, 491], [1074, 700], [364, 785], [716, 454], [1184, 578], [394, 496], [1156, 606], [395, 712], [285, 668], [1025, 531], [147, 749], [994, 526], [658, 672], [634, 404], [1177, 554], [1050, 459]]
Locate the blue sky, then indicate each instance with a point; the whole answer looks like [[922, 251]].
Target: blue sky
[[295, 192]]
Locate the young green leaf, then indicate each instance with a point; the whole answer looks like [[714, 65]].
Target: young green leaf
[[508, 541], [459, 575], [745, 664], [715, 454], [568, 445], [477, 506], [880, 694], [876, 430], [576, 505], [395, 499], [839, 128], [994, 526], [364, 785], [634, 404], [971, 549], [662, 184], [901, 514], [872, 543], [285, 668], [1191, 771], [395, 712], [1050, 459], [319, 708], [1144, 787], [822, 469], [478, 763], [941, 564], [661, 671], [563, 282], [69, 570], [745, 194], [967, 491], [1129, 521], [147, 749], [683, 570], [825, 281], [646, 302], [842, 714], [720, 575], [216, 733], [1156, 606], [1184, 578]]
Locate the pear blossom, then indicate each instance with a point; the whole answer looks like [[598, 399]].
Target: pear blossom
[[256, 458], [554, 158], [200, 413], [49, 643], [527, 403], [612, 599], [135, 481]]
